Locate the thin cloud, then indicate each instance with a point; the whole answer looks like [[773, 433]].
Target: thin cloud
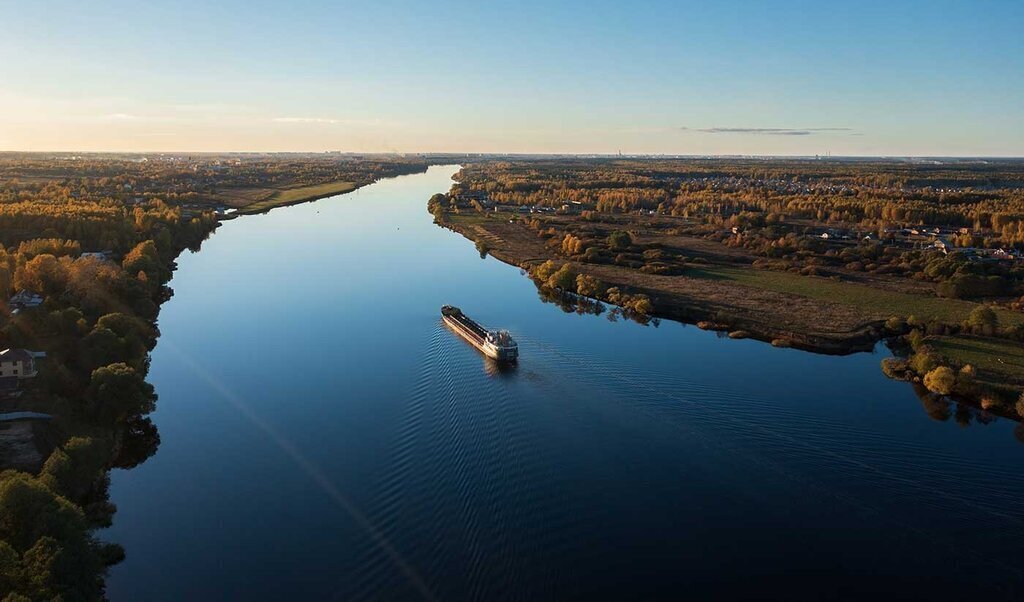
[[119, 117], [769, 131], [331, 121]]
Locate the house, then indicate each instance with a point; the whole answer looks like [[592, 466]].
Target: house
[[101, 255], [25, 299], [18, 363]]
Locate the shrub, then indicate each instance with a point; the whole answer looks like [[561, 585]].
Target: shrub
[[983, 320], [619, 240], [924, 361], [916, 339], [940, 380], [968, 286], [896, 325], [588, 286], [544, 271], [564, 279]]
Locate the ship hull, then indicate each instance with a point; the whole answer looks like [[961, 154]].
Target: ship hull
[[471, 332]]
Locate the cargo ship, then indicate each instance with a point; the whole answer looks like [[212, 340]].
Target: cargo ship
[[495, 344]]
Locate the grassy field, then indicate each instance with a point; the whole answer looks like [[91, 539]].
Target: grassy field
[[297, 195], [877, 302], [998, 362]]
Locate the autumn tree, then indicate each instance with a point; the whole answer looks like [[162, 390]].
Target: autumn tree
[[941, 380]]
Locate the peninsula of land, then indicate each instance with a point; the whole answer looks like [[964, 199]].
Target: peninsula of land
[[826, 256]]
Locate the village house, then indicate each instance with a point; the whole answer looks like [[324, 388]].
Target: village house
[[18, 363], [24, 300]]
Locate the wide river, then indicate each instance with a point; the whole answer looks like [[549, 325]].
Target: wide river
[[325, 437]]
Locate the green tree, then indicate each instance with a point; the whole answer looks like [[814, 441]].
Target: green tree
[[117, 392], [73, 470], [563, 279], [10, 567], [436, 206], [100, 348], [30, 510], [619, 240], [983, 320]]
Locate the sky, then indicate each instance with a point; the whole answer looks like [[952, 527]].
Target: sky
[[890, 78]]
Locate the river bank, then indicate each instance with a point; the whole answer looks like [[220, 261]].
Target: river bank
[[86, 411], [294, 196], [771, 316], [816, 314]]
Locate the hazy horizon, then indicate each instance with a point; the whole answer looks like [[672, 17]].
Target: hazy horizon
[[921, 79]]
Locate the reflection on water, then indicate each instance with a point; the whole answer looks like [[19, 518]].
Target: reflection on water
[[495, 368], [325, 437]]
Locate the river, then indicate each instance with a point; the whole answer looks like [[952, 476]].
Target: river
[[325, 437]]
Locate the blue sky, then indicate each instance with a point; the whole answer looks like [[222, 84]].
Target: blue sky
[[864, 78]]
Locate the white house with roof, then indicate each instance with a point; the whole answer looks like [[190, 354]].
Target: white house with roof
[[18, 363]]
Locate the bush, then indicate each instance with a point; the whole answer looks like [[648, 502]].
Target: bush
[[924, 361], [941, 380], [544, 271], [969, 286], [588, 286], [896, 325], [916, 339], [619, 240], [983, 320], [563, 279]]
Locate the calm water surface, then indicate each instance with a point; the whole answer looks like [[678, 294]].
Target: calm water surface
[[325, 437]]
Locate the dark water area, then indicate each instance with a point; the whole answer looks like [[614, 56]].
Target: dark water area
[[325, 437]]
